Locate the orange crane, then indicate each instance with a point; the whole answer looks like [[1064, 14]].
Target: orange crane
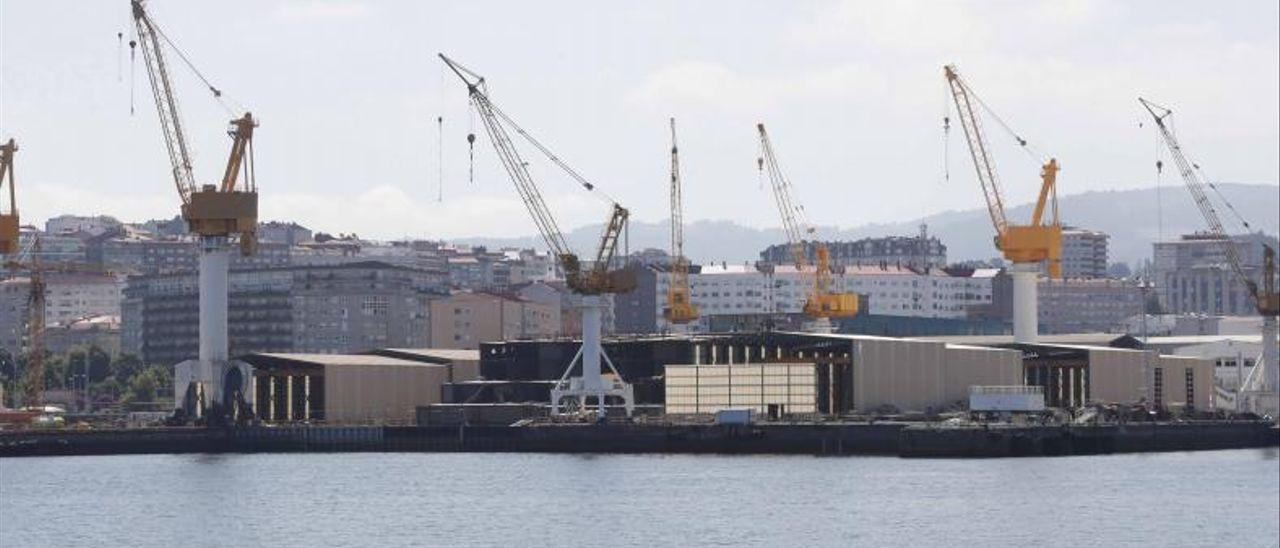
[[820, 301], [215, 213], [8, 221], [591, 283], [1026, 246], [211, 211], [1265, 297], [680, 308]]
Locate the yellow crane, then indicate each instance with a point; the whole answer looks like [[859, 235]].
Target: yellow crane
[[215, 214], [820, 302], [211, 211], [8, 221], [680, 308], [1026, 246]]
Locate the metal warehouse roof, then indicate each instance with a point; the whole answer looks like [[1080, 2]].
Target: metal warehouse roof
[[440, 354], [339, 360]]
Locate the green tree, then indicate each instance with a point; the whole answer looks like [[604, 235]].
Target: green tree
[[143, 386], [125, 366]]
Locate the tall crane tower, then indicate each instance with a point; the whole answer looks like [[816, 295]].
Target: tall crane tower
[[215, 214], [680, 308], [820, 302], [1264, 295], [592, 283], [8, 220], [1026, 246]]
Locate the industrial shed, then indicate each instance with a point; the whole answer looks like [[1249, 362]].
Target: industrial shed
[[346, 388], [851, 372], [1115, 375], [1103, 368]]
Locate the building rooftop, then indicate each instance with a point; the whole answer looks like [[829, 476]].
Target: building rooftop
[[441, 355], [339, 360], [1078, 339]]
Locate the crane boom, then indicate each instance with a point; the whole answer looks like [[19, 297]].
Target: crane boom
[[175, 138], [983, 162], [1195, 186], [8, 221], [1041, 239], [1264, 297], [680, 308], [600, 279], [820, 302], [787, 207], [211, 211]]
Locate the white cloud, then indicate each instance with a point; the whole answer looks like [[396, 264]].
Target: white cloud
[[387, 212], [309, 11], [703, 83]]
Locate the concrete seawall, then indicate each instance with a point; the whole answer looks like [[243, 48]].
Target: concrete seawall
[[900, 439]]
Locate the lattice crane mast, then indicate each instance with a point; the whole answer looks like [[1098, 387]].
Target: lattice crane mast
[[820, 301], [8, 220], [211, 211], [680, 307], [1264, 296], [598, 278], [593, 283]]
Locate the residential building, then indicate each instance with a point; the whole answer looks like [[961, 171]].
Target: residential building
[[101, 331], [919, 251], [728, 294], [147, 255], [96, 225], [315, 309], [14, 311], [290, 234], [464, 320], [72, 296], [1087, 305], [1193, 276], [1084, 253], [54, 248]]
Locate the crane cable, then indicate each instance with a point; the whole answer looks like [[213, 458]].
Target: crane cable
[[546, 152], [217, 93], [1032, 151], [1173, 129]]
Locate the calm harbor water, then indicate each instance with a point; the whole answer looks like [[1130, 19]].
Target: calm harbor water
[[1215, 498]]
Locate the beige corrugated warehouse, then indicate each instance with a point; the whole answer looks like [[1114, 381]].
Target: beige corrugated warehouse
[[1106, 368], [351, 388], [864, 373], [1115, 376]]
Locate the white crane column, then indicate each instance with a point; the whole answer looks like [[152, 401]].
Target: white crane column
[[1026, 324], [1271, 363], [592, 325], [215, 260]]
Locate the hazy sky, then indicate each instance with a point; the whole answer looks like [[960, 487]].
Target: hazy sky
[[348, 93]]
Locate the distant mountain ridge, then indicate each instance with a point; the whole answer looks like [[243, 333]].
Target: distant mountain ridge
[[1129, 216]]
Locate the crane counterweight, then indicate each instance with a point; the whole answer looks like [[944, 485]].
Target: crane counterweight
[[9, 221]]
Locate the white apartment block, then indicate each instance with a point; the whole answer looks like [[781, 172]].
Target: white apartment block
[[889, 290]]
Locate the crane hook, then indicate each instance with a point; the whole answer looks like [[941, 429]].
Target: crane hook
[[471, 153]]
